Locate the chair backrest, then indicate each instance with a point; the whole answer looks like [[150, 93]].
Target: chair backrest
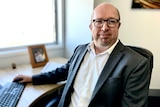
[[145, 52]]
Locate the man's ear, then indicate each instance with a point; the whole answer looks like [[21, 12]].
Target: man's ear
[[90, 26]]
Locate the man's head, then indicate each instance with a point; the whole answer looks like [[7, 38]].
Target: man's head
[[105, 23]]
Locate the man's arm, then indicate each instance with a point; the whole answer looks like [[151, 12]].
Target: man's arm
[[137, 86]]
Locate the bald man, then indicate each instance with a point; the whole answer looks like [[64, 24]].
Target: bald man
[[102, 73]]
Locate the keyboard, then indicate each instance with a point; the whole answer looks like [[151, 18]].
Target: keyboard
[[10, 94]]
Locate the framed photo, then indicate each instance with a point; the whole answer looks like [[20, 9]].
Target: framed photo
[[146, 4], [38, 55]]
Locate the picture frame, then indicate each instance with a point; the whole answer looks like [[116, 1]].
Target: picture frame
[[145, 4], [38, 55]]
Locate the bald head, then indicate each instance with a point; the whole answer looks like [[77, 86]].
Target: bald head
[[105, 8]]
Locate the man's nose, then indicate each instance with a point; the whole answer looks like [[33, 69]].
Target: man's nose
[[105, 26]]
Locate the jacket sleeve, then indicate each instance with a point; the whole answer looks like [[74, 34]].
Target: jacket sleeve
[[54, 76], [137, 86]]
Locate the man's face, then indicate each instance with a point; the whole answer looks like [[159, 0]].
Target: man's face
[[105, 36]]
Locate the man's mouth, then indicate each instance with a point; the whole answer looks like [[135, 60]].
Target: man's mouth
[[105, 35]]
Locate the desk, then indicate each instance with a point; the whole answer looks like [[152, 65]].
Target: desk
[[31, 92]]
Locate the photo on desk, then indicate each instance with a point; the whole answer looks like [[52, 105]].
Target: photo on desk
[[145, 4], [38, 55]]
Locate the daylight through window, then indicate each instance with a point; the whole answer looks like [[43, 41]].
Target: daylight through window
[[26, 22]]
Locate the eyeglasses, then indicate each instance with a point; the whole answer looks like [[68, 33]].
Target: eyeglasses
[[110, 22]]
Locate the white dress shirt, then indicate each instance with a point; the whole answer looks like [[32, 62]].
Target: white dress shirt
[[87, 76]]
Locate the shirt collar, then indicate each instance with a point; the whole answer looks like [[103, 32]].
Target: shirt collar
[[90, 47]]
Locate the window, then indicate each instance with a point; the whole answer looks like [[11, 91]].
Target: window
[[27, 22]]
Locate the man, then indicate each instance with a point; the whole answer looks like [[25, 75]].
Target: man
[[103, 73]]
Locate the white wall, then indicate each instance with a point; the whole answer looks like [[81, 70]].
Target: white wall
[[78, 13], [140, 27]]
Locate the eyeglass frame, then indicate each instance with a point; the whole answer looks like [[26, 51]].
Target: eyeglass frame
[[107, 20]]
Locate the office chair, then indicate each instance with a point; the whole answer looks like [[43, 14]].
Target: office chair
[[146, 53], [54, 97]]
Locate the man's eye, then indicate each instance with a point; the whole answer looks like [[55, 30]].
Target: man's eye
[[99, 21], [112, 21]]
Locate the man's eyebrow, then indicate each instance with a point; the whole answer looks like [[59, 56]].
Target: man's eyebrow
[[98, 19], [105, 19]]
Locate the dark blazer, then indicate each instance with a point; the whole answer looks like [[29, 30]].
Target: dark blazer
[[124, 81]]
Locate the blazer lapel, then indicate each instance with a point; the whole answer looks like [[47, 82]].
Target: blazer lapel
[[77, 59], [109, 66], [76, 63]]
